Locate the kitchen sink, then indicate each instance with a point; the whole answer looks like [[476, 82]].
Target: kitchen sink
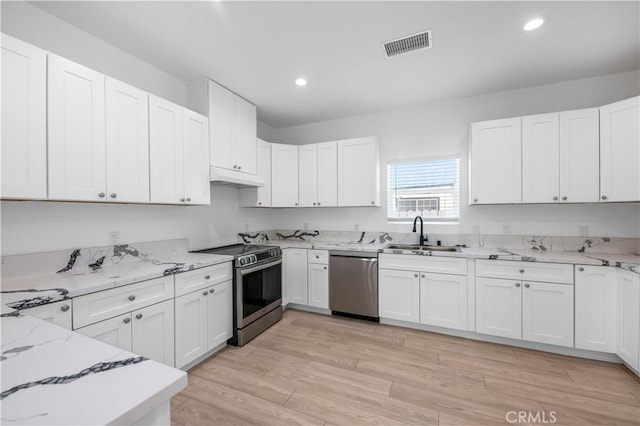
[[419, 247]]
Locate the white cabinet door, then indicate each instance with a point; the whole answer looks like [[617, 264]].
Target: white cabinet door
[[399, 295], [295, 275], [540, 158], [547, 313], [358, 172], [496, 162], [328, 174], [595, 302], [166, 152], [620, 151], [222, 112], [499, 307], [24, 120], [191, 326], [628, 323], [443, 300], [76, 122], [127, 142], [219, 314], [260, 196], [308, 175], [152, 332], [115, 331], [284, 175], [197, 189], [579, 156], [318, 285], [58, 313], [245, 137]]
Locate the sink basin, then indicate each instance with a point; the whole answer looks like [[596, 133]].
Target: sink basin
[[419, 247]]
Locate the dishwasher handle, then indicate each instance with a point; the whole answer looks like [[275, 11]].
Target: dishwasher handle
[[354, 253]]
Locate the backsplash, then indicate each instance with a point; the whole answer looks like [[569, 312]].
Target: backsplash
[[519, 242]]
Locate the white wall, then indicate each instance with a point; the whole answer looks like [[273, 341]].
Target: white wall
[[441, 129]]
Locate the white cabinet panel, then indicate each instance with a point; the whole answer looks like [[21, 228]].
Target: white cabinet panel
[[579, 156], [436, 264], [499, 307], [76, 122], [197, 189], [358, 172], [328, 174], [198, 279], [620, 151], [127, 142], [540, 158], [295, 276], [219, 314], [284, 175], [166, 152], [443, 300], [114, 331], [595, 304], [308, 175], [530, 271], [628, 324], [547, 313], [190, 327], [221, 114], [24, 120], [399, 295], [496, 162], [245, 136], [58, 313], [152, 332], [318, 285]]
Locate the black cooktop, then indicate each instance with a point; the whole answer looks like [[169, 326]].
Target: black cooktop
[[236, 249]]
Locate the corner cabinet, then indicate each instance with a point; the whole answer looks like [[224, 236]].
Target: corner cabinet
[[358, 172], [628, 324], [24, 120], [596, 307], [284, 175]]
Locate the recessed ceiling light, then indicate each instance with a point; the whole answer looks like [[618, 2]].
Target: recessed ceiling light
[[301, 82], [533, 24]]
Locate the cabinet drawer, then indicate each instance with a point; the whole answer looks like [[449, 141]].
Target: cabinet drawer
[[58, 313], [318, 256], [203, 278], [99, 306], [436, 264], [533, 271]]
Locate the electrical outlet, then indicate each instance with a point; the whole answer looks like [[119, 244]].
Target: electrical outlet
[[583, 230], [475, 229], [114, 238], [506, 229]]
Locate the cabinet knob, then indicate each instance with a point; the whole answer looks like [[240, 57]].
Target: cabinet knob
[[522, 271], [581, 269], [314, 204], [296, 204], [64, 308], [139, 316], [325, 268], [564, 198], [475, 200], [423, 276], [126, 320], [101, 195], [204, 293], [555, 198], [415, 275], [517, 284], [373, 203], [113, 195], [213, 290], [235, 167], [317, 257], [259, 203], [207, 277], [132, 297], [604, 197], [182, 200], [239, 167], [318, 203], [189, 199], [526, 285]]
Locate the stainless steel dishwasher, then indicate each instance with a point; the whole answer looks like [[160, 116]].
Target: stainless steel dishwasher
[[353, 284]]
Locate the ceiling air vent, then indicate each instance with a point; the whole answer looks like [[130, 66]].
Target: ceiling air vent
[[421, 40]]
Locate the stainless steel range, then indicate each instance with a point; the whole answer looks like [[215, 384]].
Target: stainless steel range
[[257, 289]]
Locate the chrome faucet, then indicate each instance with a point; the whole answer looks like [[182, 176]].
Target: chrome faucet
[[423, 238]]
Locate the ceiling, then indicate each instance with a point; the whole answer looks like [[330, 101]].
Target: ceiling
[[258, 49]]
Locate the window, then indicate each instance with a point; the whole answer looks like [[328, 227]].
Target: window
[[430, 189]]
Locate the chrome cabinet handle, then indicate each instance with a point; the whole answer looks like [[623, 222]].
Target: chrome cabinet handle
[[64, 308], [555, 198], [204, 293], [235, 167], [296, 204], [522, 271], [188, 199], [132, 298], [415, 275], [182, 200], [475, 200], [604, 197], [113, 195], [314, 204], [564, 198], [317, 257], [207, 277], [259, 203], [213, 290], [373, 202], [318, 203], [517, 284], [126, 320], [325, 268], [139, 316], [101, 195], [581, 269], [239, 167], [526, 285], [423, 276]]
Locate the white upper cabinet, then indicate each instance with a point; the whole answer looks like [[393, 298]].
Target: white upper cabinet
[[127, 142], [308, 175], [358, 172], [620, 151], [76, 149], [328, 174], [284, 175], [579, 156], [260, 196], [540, 158], [245, 141], [496, 162], [197, 189], [24, 120]]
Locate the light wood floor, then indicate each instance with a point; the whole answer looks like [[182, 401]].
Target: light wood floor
[[316, 369]]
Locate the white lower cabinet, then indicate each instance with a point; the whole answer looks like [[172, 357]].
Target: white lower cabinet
[[295, 276], [443, 300], [547, 313], [318, 285], [219, 314], [499, 307], [595, 308], [115, 331], [399, 295], [628, 324], [58, 313]]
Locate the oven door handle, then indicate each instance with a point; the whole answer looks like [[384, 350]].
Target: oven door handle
[[260, 267]]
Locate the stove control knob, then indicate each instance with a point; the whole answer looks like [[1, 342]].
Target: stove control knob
[[242, 261]]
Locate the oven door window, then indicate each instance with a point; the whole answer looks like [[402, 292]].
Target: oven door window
[[260, 289]]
